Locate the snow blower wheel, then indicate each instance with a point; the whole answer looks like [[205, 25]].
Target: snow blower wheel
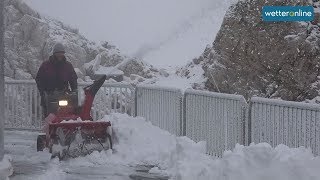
[[41, 142]]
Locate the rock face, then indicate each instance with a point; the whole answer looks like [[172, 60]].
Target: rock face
[[252, 57], [116, 67], [29, 39]]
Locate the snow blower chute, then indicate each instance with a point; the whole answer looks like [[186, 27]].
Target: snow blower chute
[[70, 130]]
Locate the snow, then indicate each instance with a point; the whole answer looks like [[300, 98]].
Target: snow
[[177, 80], [163, 33], [6, 168], [279, 102], [75, 121], [53, 172], [110, 71], [138, 143]]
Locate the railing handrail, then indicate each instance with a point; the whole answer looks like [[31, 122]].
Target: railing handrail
[[291, 104], [81, 83], [159, 88], [216, 95], [19, 81]]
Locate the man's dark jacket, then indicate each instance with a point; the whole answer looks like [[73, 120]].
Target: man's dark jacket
[[56, 75]]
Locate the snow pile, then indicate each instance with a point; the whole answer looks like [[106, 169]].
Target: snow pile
[[6, 168], [138, 142], [259, 161]]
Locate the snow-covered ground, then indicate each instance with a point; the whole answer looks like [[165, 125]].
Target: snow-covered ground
[[162, 32], [143, 151], [6, 168]]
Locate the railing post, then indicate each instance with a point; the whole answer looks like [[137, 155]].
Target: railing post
[[135, 114], [2, 118], [249, 121], [183, 116]]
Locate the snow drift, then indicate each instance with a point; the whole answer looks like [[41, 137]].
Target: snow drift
[[138, 142]]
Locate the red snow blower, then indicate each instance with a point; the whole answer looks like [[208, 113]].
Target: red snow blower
[[70, 130]]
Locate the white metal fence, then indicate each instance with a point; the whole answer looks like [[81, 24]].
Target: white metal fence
[[23, 110], [111, 98], [22, 105], [217, 118], [281, 122], [161, 106], [220, 119]]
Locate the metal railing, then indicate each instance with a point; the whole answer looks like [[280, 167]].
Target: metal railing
[[222, 120], [111, 98], [23, 109], [161, 106], [294, 124], [218, 119], [22, 105]]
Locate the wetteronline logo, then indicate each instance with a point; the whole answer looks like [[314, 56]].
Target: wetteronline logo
[[287, 13]]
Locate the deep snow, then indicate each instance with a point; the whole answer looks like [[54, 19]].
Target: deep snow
[[138, 143]]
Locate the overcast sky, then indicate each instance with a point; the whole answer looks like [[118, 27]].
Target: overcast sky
[[131, 25]]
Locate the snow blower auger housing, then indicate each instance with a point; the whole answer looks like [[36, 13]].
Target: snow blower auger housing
[[70, 130]]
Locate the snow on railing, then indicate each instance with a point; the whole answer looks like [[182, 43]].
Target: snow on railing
[[23, 109], [22, 105], [162, 106], [294, 124], [219, 119]]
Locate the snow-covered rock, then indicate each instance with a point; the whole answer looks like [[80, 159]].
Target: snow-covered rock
[[135, 77], [133, 66], [252, 57], [29, 39], [163, 72]]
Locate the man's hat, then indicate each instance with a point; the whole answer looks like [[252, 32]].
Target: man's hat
[[58, 48]]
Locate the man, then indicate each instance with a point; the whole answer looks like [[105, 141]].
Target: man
[[56, 74]]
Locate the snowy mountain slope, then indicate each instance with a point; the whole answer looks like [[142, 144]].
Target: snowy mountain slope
[[172, 34], [189, 38], [164, 33], [29, 39], [256, 58]]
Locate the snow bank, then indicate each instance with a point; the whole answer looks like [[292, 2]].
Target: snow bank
[[259, 161], [138, 142], [6, 168]]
